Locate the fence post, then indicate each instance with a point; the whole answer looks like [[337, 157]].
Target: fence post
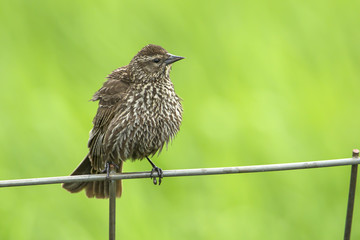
[[350, 207], [112, 205]]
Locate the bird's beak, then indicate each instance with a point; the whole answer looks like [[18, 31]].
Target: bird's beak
[[172, 58]]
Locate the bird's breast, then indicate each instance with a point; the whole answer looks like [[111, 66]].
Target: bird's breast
[[156, 101], [152, 118], [148, 118]]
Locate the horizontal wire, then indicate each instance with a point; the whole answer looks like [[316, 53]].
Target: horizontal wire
[[182, 172]]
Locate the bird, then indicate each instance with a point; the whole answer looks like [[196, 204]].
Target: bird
[[138, 114]]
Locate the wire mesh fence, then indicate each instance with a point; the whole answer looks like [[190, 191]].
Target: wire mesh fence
[[354, 161]]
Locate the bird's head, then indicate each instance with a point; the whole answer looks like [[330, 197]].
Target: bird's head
[[152, 63]]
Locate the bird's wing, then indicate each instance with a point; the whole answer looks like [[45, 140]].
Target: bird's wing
[[109, 97]]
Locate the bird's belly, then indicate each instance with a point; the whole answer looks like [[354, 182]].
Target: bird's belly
[[146, 138], [145, 126], [145, 135]]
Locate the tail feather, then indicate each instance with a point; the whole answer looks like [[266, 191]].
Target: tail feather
[[98, 189]]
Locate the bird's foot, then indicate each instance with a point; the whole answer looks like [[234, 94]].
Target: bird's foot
[[159, 172], [155, 171], [108, 166]]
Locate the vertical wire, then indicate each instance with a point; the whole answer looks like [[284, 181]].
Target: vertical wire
[[112, 206], [350, 207]]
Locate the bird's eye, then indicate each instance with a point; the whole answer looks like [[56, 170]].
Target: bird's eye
[[156, 60]]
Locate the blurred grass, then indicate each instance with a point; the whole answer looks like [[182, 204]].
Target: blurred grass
[[263, 82]]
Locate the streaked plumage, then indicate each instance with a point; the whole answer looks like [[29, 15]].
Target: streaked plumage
[[139, 112]]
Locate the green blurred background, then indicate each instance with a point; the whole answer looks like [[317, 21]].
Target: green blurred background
[[263, 82]]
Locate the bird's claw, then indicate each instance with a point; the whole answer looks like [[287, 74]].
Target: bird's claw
[[159, 172], [108, 167]]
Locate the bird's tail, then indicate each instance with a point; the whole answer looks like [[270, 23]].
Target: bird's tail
[[98, 189]]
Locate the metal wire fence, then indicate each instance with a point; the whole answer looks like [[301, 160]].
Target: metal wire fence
[[354, 161]]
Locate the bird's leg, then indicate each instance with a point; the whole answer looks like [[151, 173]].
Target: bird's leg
[[154, 170], [108, 168]]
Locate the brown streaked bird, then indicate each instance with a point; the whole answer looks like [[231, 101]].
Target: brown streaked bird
[[139, 112]]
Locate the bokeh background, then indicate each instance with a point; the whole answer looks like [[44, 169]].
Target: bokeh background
[[263, 82]]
